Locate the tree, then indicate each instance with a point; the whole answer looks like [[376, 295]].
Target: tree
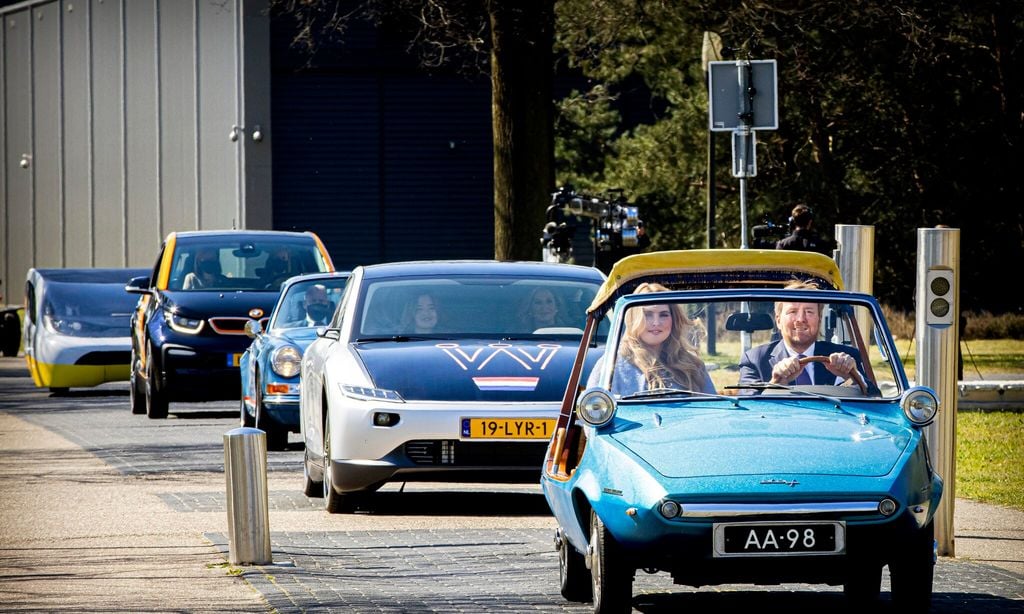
[[897, 115], [516, 37]]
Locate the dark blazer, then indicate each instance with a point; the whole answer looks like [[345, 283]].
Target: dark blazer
[[756, 364]]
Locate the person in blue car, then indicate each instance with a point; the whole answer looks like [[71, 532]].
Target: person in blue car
[[318, 308], [778, 362], [656, 352]]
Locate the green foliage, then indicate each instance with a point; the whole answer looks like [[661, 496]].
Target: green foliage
[[899, 116]]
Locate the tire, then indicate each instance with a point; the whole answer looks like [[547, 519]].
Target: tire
[[611, 578], [863, 584], [58, 391], [310, 488], [156, 399], [334, 501], [573, 576], [277, 437], [136, 397], [911, 572], [10, 334]]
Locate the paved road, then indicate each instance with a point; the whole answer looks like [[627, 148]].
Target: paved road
[[104, 510]]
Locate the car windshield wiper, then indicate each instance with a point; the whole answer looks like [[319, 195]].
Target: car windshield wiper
[[769, 386], [679, 394], [395, 338]]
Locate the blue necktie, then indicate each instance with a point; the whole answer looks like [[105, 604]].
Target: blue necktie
[[804, 379]]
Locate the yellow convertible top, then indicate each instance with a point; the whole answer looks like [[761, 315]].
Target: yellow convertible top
[[717, 268]]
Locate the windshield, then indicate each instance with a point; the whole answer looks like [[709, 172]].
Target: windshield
[[308, 303], [260, 264], [476, 306], [88, 310], [735, 347]]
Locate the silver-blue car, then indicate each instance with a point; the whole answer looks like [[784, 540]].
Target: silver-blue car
[[270, 367], [749, 464]]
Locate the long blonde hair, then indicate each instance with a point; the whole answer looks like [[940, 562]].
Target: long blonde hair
[[679, 358]]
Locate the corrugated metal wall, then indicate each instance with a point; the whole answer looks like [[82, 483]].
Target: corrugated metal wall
[[116, 123]]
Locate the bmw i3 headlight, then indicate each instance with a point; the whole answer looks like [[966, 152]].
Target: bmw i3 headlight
[[920, 404], [286, 361], [595, 407], [181, 324]]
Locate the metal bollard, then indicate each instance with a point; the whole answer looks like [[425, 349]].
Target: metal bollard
[[245, 470]]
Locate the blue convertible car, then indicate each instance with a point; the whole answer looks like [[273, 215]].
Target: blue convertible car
[[750, 464], [270, 367]]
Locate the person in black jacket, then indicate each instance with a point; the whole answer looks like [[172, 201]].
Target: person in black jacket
[[803, 237]]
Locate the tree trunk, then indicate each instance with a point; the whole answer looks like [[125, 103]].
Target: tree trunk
[[522, 36]]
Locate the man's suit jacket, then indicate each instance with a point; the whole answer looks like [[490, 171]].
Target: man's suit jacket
[[756, 364]]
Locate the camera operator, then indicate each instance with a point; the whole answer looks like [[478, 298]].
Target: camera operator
[[803, 237]]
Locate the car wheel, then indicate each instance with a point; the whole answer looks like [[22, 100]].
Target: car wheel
[[611, 579], [573, 577], [136, 397], [277, 437], [156, 399], [911, 572], [334, 501], [864, 583], [11, 340], [310, 488]]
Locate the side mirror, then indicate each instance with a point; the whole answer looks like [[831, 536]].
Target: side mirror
[[138, 285], [253, 329], [329, 333]]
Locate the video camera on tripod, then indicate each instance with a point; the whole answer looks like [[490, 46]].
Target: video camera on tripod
[[617, 230]]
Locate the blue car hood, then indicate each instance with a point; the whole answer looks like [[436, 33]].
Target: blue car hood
[[471, 369], [299, 337], [230, 304], [780, 439]]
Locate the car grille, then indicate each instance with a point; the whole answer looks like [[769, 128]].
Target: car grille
[[232, 325], [105, 358], [454, 453]]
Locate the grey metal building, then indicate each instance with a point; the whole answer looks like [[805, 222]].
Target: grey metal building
[[123, 120]]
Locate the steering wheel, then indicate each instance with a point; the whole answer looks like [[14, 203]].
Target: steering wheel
[[856, 376]]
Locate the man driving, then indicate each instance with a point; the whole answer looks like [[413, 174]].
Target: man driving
[[318, 307], [778, 362]]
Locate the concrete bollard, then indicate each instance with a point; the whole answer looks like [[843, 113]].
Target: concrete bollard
[[245, 470]]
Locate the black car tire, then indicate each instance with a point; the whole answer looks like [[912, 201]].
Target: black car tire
[[11, 334], [573, 576], [277, 436], [611, 577], [310, 488], [136, 397], [334, 501], [911, 572], [156, 398], [864, 583]]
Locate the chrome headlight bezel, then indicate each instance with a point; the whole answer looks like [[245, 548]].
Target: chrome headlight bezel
[[286, 361], [920, 405], [595, 407]]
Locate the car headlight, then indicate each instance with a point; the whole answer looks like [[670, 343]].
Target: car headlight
[[364, 393], [181, 324], [61, 327], [595, 407], [286, 361], [920, 404]]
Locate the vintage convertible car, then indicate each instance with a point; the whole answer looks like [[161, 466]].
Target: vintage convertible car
[[188, 329], [270, 367], [441, 371], [76, 326], [748, 481]]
